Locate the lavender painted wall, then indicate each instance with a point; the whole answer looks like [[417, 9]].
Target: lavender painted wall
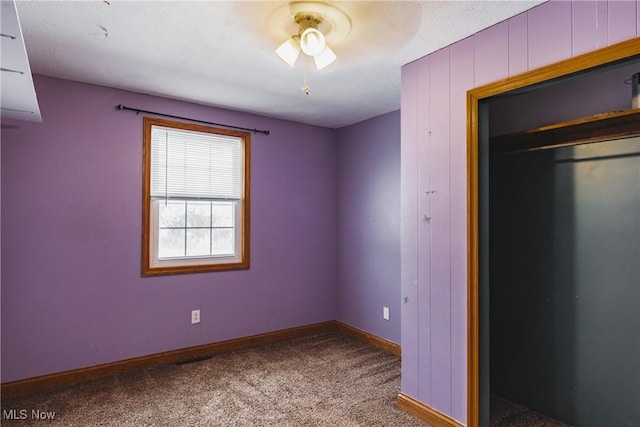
[[433, 175], [369, 225], [72, 294]]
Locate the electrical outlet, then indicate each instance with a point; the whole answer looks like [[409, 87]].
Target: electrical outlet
[[195, 316], [385, 313]]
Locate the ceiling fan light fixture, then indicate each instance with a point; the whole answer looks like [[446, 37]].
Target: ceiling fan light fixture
[[318, 25], [289, 51], [324, 58], [312, 41]]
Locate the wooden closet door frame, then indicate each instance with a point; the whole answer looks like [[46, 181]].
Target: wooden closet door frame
[[608, 55]]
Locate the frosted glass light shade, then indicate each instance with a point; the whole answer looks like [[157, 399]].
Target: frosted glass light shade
[[312, 41], [324, 58], [289, 51]]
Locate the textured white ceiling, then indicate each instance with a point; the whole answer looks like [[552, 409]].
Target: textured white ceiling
[[222, 53]]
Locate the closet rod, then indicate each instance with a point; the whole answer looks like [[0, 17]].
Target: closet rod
[[121, 107], [561, 145]]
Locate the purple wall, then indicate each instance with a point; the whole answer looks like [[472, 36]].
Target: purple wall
[[72, 294], [433, 176], [369, 225]]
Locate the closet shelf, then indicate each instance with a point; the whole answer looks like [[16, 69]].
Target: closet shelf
[[581, 131]]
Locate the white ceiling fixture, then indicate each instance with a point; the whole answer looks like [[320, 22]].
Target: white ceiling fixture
[[315, 22]]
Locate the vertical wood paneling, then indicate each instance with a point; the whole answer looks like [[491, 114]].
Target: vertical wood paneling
[[440, 226], [549, 32], [602, 24], [621, 18], [461, 80], [491, 59], [409, 246], [434, 257], [518, 58], [424, 230], [584, 20]]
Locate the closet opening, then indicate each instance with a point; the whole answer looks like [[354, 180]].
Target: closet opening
[[555, 248]]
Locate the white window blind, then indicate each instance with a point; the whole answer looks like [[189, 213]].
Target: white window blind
[[195, 165]]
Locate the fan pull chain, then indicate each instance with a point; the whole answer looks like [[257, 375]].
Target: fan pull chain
[[305, 87]]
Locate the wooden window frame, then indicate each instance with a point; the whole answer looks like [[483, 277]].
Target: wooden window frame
[[147, 246]]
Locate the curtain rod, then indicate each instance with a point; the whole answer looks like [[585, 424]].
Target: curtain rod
[[121, 107]]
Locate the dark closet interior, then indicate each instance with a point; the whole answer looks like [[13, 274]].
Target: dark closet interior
[[563, 299]]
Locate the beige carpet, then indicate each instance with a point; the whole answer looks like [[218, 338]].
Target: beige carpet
[[508, 414], [321, 380]]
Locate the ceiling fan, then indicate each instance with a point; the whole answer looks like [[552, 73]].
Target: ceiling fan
[[316, 23]]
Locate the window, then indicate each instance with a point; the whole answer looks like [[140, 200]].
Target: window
[[196, 198]]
